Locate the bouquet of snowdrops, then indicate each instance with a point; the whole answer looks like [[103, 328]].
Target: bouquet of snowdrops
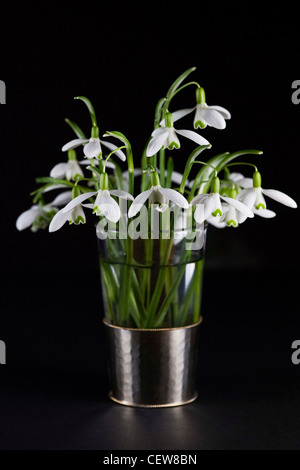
[[151, 219]]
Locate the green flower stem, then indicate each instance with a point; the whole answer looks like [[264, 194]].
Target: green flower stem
[[125, 281], [118, 176], [169, 298], [170, 168], [146, 273], [162, 166], [159, 285], [129, 155], [111, 289], [182, 87], [90, 108], [189, 165], [197, 290], [188, 297]]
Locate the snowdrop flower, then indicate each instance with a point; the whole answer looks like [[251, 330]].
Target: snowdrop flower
[[231, 217], [93, 149], [157, 195], [104, 203], [37, 217], [71, 169], [210, 204], [205, 115], [166, 137], [75, 216], [253, 196]]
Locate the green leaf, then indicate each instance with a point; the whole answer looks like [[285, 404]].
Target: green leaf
[[90, 108], [157, 117], [178, 81], [80, 134], [49, 179], [189, 164], [129, 155]]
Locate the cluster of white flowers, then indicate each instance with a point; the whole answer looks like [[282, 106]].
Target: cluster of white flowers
[[229, 203]]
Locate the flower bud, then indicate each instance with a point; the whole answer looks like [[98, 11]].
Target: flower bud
[[200, 95], [256, 179], [155, 179], [95, 132], [71, 155], [215, 185], [103, 183], [169, 120]]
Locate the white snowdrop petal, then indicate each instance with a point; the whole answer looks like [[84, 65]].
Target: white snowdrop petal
[[109, 207], [175, 197], [280, 197], [213, 118], [181, 113], [62, 199], [58, 221], [92, 149], [78, 200], [193, 136], [139, 202], [122, 194], [59, 170], [157, 142], [266, 213], [238, 205], [112, 147], [199, 199], [247, 197], [27, 218], [224, 112], [73, 144], [244, 182]]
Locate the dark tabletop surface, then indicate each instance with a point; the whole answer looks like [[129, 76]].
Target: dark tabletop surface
[[54, 385]]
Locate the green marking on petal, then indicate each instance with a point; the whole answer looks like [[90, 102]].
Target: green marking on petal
[[79, 220], [231, 223], [172, 145], [199, 124], [217, 212], [260, 206]]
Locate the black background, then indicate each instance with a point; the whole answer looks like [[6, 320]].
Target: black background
[[54, 386]]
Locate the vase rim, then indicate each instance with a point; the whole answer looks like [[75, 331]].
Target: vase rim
[[153, 329]]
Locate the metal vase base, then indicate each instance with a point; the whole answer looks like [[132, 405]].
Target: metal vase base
[[153, 368]]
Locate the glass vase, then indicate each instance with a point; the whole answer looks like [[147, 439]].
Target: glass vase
[[152, 291]]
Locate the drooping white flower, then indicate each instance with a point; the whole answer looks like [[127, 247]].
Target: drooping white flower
[[165, 136], [71, 170], [37, 217], [253, 196], [229, 217], [210, 205], [157, 195], [92, 147], [74, 216], [205, 115], [104, 204]]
